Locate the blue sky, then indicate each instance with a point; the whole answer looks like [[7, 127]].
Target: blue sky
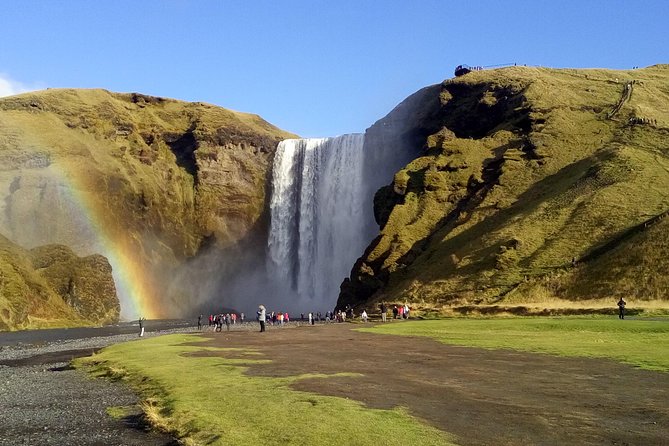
[[316, 68]]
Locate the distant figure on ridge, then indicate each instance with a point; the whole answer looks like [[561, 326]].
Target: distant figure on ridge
[[621, 308], [141, 326]]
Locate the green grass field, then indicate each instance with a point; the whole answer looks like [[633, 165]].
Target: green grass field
[[209, 400], [642, 343]]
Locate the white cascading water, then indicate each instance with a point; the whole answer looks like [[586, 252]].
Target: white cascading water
[[318, 217]]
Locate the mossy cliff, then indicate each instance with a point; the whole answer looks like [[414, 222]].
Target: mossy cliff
[[50, 286], [534, 184], [147, 180]]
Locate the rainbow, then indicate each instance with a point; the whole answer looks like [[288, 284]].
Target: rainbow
[[134, 282], [138, 286]]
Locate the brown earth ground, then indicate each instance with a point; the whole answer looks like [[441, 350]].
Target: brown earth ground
[[484, 397]]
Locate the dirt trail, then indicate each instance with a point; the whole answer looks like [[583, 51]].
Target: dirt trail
[[484, 397]]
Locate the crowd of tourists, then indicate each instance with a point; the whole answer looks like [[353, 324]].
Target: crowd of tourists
[[217, 322]]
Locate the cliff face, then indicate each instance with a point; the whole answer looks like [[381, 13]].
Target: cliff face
[[50, 286], [148, 182], [532, 185]]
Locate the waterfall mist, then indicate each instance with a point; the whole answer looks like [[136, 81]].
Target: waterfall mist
[[321, 217]]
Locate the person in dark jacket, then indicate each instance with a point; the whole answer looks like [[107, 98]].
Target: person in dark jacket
[[621, 308], [384, 310]]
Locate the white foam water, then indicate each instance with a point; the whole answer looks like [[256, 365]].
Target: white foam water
[[318, 215]]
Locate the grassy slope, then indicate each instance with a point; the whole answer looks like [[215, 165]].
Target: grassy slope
[[96, 170], [208, 400], [28, 300], [642, 343], [526, 174], [116, 145]]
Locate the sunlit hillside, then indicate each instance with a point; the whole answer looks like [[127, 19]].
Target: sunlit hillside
[[49, 286], [148, 182], [537, 186]]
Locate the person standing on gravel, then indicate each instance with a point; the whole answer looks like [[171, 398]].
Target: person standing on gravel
[[262, 315]]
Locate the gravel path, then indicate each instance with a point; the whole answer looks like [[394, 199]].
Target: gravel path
[[55, 405], [45, 402]]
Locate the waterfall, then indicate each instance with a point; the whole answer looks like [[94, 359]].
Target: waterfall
[[318, 218]]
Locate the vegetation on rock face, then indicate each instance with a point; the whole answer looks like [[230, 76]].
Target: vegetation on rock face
[[50, 286], [156, 180], [535, 184]]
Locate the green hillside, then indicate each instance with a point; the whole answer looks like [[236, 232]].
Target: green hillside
[[50, 286], [537, 186], [148, 181]]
